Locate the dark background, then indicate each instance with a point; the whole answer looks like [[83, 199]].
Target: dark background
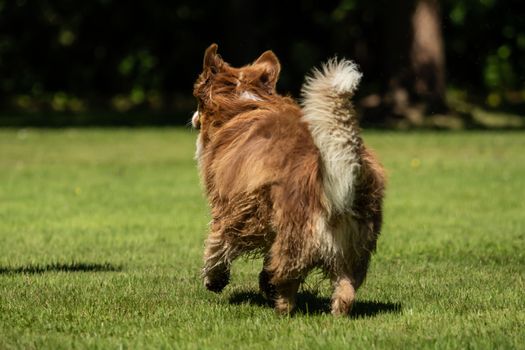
[[126, 62]]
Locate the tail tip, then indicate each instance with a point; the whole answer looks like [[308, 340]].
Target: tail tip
[[345, 75]]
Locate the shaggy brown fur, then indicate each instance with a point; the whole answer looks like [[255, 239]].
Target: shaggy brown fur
[[263, 175]]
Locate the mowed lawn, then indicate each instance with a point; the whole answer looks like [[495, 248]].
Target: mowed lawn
[[101, 239]]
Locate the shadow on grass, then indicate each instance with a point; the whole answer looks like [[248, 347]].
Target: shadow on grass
[[311, 303], [60, 267]]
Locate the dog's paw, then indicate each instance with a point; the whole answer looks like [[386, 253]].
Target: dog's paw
[[341, 307], [284, 307], [217, 282]]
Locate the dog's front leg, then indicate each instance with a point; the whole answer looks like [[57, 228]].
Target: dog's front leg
[[216, 270]]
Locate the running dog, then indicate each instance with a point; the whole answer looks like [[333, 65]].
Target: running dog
[[290, 181]]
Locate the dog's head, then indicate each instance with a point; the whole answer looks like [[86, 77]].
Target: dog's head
[[223, 91]]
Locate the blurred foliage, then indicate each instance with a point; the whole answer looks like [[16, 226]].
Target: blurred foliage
[[74, 56], [485, 42]]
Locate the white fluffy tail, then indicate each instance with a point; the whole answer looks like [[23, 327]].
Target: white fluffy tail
[[331, 118]]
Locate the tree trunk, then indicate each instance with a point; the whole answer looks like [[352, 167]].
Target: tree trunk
[[427, 55], [413, 65]]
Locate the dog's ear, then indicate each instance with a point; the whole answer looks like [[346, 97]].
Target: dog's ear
[[212, 61], [271, 69]]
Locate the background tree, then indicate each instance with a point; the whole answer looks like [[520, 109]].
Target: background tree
[[413, 64], [110, 55]]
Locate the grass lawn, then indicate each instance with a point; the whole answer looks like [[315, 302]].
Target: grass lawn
[[101, 237]]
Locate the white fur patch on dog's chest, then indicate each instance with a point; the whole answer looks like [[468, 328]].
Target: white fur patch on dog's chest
[[198, 152]]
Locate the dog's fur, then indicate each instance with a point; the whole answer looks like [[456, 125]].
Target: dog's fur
[[295, 183]]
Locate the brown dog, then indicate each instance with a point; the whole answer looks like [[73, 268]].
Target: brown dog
[[294, 183]]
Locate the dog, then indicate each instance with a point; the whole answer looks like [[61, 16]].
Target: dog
[[291, 182]]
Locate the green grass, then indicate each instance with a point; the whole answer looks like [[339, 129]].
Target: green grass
[[102, 233]]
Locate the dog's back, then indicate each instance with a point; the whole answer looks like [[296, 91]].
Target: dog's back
[[264, 158], [270, 145]]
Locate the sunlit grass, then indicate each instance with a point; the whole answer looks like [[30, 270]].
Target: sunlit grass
[[102, 231]]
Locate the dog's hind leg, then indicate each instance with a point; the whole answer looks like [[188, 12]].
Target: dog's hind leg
[[343, 296], [281, 277], [280, 291], [266, 288], [286, 292]]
